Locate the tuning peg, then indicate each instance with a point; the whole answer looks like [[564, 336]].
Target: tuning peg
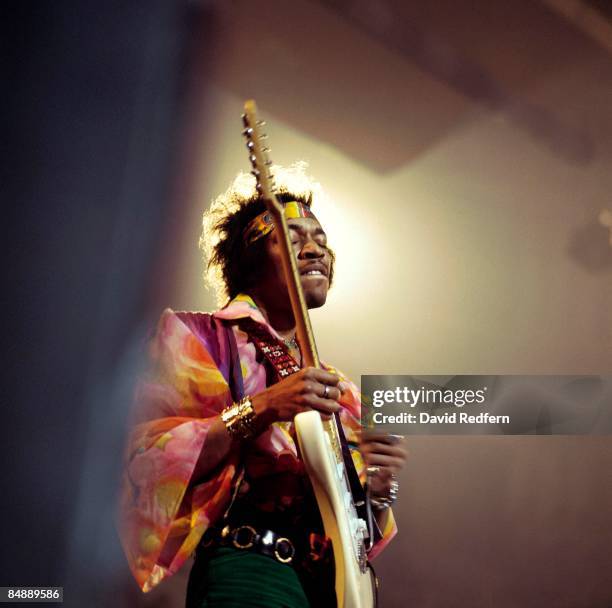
[[268, 163], [248, 131], [253, 159], [256, 173], [250, 144], [261, 123]]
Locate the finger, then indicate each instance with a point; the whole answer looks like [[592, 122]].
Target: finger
[[325, 391], [322, 376], [383, 448], [383, 437], [327, 406], [382, 460], [328, 392]]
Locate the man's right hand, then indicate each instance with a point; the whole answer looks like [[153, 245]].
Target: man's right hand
[[303, 391]]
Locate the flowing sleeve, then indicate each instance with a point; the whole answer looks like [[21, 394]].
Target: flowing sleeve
[[350, 416], [163, 511]]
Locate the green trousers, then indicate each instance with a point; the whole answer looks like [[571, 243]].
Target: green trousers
[[233, 578]]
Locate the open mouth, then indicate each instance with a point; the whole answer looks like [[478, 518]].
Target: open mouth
[[316, 270]]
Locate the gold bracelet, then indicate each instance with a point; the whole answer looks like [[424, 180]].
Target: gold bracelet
[[239, 419]]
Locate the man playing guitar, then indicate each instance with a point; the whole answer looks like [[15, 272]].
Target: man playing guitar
[[214, 466]]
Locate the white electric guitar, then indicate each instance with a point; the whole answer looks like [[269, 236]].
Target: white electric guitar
[[318, 440]]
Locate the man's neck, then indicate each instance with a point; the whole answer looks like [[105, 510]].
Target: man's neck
[[278, 315]]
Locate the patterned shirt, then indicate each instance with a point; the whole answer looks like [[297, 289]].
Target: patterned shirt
[[164, 511]]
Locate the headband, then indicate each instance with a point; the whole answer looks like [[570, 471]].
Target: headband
[[263, 224]]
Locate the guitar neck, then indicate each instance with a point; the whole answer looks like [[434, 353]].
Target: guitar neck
[[308, 347], [319, 440]]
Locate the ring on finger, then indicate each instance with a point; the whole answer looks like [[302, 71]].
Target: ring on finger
[[326, 391], [372, 470]]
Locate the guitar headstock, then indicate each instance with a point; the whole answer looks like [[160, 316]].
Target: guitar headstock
[[258, 155]]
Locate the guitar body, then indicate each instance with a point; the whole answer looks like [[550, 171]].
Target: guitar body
[[355, 581], [319, 442]]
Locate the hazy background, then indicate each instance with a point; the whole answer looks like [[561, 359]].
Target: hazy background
[[466, 148], [466, 151]]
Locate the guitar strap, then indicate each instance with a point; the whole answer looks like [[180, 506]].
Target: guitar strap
[[277, 354]]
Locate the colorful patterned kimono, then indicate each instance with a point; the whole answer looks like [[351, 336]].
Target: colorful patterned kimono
[[163, 510]]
